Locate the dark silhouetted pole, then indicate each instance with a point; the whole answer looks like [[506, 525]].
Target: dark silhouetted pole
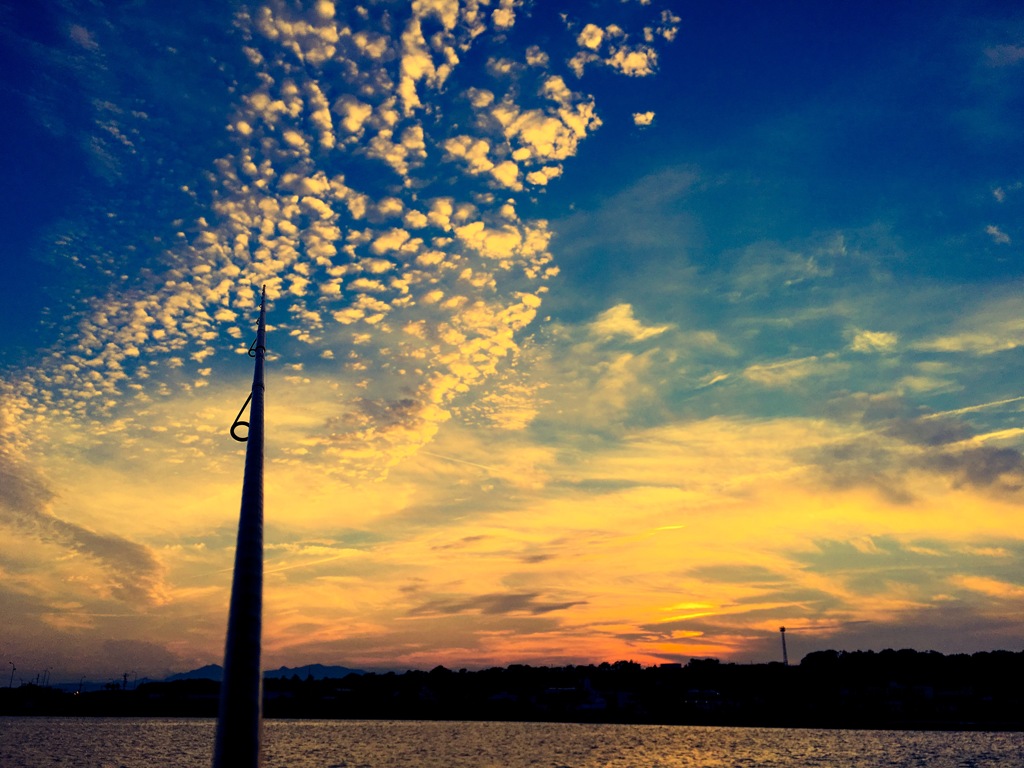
[[241, 694], [785, 655]]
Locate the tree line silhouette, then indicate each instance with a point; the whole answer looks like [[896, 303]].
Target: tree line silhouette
[[832, 689]]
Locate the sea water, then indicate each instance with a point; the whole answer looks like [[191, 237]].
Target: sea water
[[30, 742]]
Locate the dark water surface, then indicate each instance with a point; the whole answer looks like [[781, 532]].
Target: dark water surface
[[27, 742]]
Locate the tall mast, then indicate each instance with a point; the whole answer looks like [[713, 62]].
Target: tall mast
[[241, 695]]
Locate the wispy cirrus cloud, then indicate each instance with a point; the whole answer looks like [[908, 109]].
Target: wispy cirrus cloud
[[984, 328], [501, 603], [133, 574]]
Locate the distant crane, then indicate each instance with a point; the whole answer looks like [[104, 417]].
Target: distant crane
[[785, 655]]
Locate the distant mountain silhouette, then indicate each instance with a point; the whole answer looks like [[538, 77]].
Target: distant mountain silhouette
[[317, 671], [209, 672]]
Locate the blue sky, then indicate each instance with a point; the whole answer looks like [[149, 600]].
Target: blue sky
[[612, 330]]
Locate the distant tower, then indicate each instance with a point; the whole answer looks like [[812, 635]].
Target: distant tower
[[785, 656]]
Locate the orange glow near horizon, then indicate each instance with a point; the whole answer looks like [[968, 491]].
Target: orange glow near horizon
[[573, 355]]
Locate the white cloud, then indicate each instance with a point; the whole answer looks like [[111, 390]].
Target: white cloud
[[473, 150], [873, 341], [991, 325], [536, 57], [353, 113], [619, 321], [1004, 55], [507, 173], [997, 235], [545, 137], [635, 62], [542, 176], [504, 16], [82, 37], [981, 342], [591, 36], [578, 63], [669, 26], [643, 118], [788, 372]]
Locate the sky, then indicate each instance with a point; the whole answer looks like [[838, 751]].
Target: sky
[[617, 329]]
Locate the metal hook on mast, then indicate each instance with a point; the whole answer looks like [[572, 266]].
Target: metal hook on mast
[[238, 421], [254, 350]]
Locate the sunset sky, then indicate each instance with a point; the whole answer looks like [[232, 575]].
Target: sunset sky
[[617, 329]]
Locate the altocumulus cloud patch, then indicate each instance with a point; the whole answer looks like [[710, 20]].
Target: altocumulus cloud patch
[[380, 156]]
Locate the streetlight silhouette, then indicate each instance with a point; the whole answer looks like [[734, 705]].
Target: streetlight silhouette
[[11, 684]]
